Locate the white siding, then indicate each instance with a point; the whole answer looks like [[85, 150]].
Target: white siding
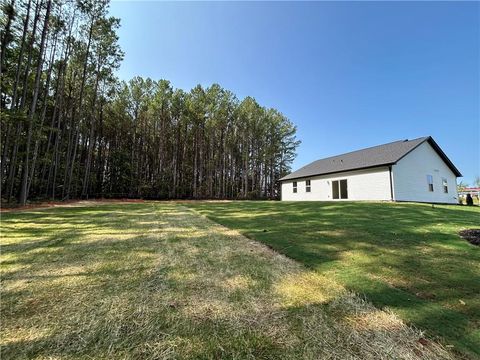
[[370, 184], [410, 177]]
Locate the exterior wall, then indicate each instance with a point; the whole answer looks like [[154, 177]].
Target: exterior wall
[[410, 177], [369, 184]]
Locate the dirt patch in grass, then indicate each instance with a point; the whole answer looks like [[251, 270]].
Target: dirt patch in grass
[[47, 204], [471, 235]]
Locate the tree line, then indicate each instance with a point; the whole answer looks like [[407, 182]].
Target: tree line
[[71, 129]]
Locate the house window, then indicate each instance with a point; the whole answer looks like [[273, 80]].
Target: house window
[[445, 185], [294, 186], [430, 182], [343, 189], [308, 186], [339, 189]]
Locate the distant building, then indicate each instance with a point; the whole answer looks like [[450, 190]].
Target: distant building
[[406, 170], [473, 191]]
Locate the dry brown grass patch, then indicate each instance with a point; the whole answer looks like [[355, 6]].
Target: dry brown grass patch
[[157, 281]]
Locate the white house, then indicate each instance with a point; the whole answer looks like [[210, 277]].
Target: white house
[[406, 170]]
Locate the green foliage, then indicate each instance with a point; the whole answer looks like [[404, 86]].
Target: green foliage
[[91, 135], [462, 185]]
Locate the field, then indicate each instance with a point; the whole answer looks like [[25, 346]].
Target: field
[[406, 257], [159, 280]]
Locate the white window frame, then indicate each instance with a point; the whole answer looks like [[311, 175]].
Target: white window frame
[[295, 187], [445, 185], [430, 183], [339, 189], [308, 186]]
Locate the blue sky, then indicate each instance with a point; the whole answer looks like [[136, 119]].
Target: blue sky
[[348, 74]]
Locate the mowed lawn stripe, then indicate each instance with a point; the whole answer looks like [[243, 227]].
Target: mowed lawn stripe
[[158, 281], [405, 257]]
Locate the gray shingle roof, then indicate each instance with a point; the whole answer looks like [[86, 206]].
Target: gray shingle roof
[[381, 155]]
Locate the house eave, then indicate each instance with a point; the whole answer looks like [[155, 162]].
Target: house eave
[[336, 172]]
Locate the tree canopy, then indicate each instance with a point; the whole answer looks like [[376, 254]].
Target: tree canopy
[[72, 129]]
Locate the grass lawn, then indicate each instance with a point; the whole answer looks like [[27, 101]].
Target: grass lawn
[[405, 257], [159, 281]]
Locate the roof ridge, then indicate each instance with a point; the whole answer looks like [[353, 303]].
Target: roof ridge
[[367, 148]]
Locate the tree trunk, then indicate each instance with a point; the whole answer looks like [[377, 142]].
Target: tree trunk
[[82, 88], [42, 121], [23, 99], [10, 10], [24, 188], [20, 57], [13, 162], [91, 138]]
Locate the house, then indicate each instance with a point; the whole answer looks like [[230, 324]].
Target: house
[[406, 170]]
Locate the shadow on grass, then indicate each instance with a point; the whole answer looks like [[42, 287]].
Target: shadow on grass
[[407, 257], [114, 292]]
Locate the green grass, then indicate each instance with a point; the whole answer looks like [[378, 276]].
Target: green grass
[[406, 257], [158, 281]]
